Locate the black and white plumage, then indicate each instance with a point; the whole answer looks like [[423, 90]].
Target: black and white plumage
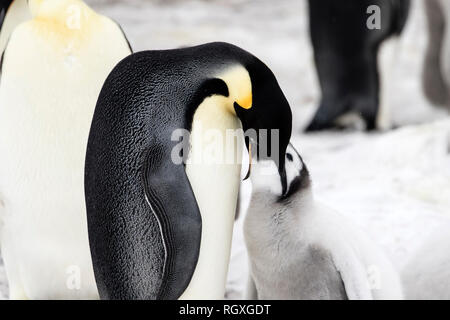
[[160, 229], [300, 249]]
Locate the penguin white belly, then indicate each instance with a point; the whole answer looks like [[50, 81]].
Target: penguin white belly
[[48, 92], [45, 234], [214, 170], [18, 12]]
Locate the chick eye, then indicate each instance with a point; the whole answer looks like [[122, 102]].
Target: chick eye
[[289, 157]]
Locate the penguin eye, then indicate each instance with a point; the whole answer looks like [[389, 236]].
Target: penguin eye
[[289, 157]]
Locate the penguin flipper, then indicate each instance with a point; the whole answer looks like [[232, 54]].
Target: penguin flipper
[[157, 207], [2, 58], [353, 274]]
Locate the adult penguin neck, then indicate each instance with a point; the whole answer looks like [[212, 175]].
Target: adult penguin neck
[[213, 169]]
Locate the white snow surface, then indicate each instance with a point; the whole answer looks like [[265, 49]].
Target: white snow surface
[[395, 185]]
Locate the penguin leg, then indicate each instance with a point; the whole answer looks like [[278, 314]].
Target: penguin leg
[[444, 57], [325, 117], [369, 112], [328, 114], [433, 81], [251, 292]]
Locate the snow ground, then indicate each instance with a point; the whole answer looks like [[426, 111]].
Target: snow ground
[[394, 185]]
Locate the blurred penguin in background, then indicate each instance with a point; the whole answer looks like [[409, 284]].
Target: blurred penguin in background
[[436, 70], [346, 37]]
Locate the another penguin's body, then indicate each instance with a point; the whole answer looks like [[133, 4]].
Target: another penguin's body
[[436, 70], [299, 249], [426, 276], [53, 70], [12, 13], [346, 57]]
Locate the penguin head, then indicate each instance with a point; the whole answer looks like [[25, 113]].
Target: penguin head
[[266, 178], [248, 89], [270, 111]]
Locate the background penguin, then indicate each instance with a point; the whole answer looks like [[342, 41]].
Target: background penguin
[[12, 13], [299, 249], [346, 53], [426, 276], [436, 70], [159, 228], [53, 70]]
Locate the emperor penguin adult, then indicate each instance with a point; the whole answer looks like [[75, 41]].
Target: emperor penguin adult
[[161, 227], [346, 53], [300, 249], [53, 69], [12, 13]]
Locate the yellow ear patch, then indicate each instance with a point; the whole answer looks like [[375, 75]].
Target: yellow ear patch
[[239, 85], [246, 102]]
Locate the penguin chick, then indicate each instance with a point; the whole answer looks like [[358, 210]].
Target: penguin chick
[[299, 249]]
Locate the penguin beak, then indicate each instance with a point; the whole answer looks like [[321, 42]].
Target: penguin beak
[[250, 160], [270, 113]]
